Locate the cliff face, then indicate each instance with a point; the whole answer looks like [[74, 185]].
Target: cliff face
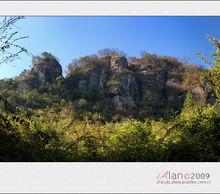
[[160, 84], [150, 85], [122, 87], [110, 81]]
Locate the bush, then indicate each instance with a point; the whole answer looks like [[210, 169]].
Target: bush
[[129, 142], [195, 137]]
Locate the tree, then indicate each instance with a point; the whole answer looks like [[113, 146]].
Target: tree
[[212, 76], [110, 52], [82, 62], [10, 49], [215, 71]]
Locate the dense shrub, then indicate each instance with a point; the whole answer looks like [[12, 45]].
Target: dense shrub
[[49, 136]]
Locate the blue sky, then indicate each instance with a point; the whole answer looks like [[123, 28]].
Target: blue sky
[[71, 37]]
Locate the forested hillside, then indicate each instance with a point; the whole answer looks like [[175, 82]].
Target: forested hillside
[[110, 107]]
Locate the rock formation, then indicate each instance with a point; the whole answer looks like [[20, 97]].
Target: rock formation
[[45, 71], [150, 85]]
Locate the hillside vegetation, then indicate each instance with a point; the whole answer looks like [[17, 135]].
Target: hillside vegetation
[[110, 107]]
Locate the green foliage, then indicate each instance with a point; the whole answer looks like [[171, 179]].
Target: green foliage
[[83, 103], [211, 78], [52, 136], [189, 100], [110, 53], [196, 136], [130, 141], [88, 61]]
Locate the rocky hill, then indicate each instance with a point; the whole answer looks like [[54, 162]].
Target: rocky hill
[[153, 86]]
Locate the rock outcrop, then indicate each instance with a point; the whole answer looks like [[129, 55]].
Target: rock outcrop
[[45, 71], [115, 83], [150, 85]]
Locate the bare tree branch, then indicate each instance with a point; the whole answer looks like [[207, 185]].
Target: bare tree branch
[[9, 48]]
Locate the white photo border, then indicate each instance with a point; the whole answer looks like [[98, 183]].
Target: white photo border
[[110, 8]]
